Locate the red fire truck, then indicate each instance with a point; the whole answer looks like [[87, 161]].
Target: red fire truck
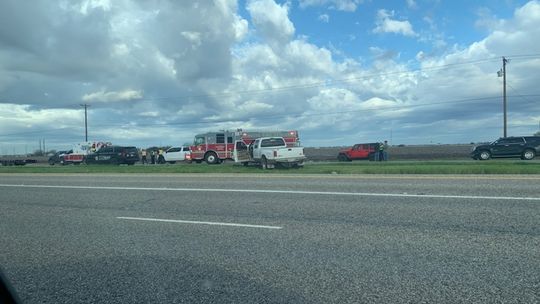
[[215, 147]]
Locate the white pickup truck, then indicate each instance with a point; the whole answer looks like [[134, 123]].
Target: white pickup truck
[[269, 152]]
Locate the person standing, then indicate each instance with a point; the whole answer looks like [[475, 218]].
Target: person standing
[[143, 157], [161, 158], [152, 157], [381, 152]]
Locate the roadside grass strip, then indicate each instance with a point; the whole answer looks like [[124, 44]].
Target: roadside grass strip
[[360, 167]]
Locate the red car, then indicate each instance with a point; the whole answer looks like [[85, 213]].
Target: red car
[[359, 151]]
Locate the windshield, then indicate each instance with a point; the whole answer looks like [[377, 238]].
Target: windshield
[[199, 140]]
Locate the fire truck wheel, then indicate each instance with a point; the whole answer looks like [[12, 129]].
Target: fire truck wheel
[[211, 158]]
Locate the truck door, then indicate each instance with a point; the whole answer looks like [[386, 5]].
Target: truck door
[[254, 149], [240, 152]]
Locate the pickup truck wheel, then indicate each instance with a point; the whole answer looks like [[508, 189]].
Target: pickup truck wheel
[[172, 162], [342, 157], [528, 154], [51, 163], [211, 158], [484, 155], [264, 163]]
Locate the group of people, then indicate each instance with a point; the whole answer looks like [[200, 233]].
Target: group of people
[[156, 157]]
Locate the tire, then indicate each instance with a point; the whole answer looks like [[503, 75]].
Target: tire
[[484, 155], [245, 164], [76, 164], [341, 157], [198, 161], [264, 163], [211, 158], [114, 162], [528, 154], [51, 163], [131, 163], [172, 162]]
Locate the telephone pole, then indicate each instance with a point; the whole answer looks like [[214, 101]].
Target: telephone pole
[[502, 73], [85, 121]]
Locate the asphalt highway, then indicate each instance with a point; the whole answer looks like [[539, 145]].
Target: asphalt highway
[[200, 238]]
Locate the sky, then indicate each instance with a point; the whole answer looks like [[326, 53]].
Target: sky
[[338, 71]]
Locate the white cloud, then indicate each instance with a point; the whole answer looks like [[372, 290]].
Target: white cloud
[[194, 67], [412, 4], [385, 24], [113, 96], [324, 18], [271, 20], [340, 5]]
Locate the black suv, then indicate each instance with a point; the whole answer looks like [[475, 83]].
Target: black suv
[[114, 155], [526, 147]]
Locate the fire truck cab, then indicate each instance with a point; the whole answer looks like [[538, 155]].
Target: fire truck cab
[[215, 147]]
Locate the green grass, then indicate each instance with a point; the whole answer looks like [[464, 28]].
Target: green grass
[[395, 167]]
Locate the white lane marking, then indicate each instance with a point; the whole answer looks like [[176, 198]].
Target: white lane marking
[[520, 198], [197, 222]]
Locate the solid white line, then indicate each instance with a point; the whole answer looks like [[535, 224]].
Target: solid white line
[[278, 192], [197, 222]]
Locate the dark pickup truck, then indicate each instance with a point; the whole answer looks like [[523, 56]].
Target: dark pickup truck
[[525, 147]]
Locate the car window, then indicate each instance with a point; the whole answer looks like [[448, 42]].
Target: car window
[[220, 138], [174, 150], [186, 149], [515, 140], [272, 142]]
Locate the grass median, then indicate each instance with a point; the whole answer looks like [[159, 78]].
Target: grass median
[[393, 167]]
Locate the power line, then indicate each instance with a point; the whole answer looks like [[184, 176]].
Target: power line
[[323, 83], [271, 117], [337, 81]]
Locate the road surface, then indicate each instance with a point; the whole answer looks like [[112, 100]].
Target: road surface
[[270, 239]]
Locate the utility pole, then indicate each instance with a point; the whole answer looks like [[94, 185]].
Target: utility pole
[[85, 121], [502, 73]]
